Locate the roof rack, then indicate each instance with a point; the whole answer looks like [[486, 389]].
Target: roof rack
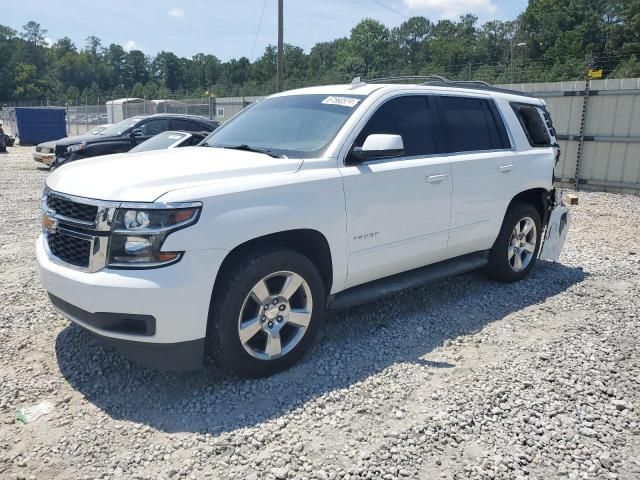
[[440, 81]]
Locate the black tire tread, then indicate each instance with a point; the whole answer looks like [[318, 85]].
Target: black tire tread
[[498, 268], [232, 275]]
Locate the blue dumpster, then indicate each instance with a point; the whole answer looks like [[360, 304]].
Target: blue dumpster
[[34, 125]]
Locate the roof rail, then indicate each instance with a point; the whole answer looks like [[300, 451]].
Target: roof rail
[[440, 81], [398, 79]]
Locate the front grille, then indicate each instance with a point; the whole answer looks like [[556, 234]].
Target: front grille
[[70, 249], [72, 210]]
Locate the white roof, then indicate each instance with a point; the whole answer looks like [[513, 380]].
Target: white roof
[[119, 101], [368, 88]]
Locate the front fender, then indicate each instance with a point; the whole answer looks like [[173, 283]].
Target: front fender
[[231, 219]]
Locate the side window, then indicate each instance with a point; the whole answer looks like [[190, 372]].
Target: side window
[[405, 116], [531, 119], [185, 125], [154, 127], [196, 139], [471, 124]]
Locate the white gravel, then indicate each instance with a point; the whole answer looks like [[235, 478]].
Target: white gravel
[[461, 379]]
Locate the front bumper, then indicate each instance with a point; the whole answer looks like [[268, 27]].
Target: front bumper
[[46, 158], [176, 297]]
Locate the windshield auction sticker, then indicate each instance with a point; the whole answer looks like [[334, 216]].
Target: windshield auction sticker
[[342, 101]]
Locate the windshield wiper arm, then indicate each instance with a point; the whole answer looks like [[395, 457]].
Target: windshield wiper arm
[[249, 148]]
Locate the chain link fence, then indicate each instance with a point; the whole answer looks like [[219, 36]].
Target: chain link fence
[[83, 118]]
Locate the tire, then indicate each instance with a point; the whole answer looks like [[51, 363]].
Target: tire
[[503, 257], [235, 311]]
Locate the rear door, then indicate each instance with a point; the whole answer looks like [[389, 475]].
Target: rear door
[[482, 167], [397, 208]]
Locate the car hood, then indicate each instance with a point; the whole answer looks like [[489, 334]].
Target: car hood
[[65, 142], [145, 176]]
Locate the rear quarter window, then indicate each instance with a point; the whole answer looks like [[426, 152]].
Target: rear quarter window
[[531, 119]]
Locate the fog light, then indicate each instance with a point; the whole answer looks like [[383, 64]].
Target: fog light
[[136, 245]]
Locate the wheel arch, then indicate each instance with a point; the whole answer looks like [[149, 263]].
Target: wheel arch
[[538, 197], [310, 243]]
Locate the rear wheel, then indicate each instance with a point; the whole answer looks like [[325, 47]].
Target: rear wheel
[[515, 251], [266, 313]]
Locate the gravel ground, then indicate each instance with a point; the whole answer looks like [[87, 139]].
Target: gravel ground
[[461, 379]]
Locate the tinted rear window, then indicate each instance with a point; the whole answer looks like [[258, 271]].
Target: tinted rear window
[[531, 120], [471, 124]]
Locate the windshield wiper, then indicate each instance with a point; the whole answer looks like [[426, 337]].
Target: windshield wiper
[[249, 148]]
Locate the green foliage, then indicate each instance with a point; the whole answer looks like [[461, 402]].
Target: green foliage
[[550, 40], [627, 69], [28, 83]]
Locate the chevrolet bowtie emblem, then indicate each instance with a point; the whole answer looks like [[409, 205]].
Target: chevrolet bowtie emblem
[[49, 224]]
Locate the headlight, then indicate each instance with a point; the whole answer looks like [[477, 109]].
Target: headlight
[[138, 234], [75, 148]]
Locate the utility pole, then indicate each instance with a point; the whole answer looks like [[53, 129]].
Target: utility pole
[[280, 45]]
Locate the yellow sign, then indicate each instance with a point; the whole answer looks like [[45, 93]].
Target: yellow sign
[[595, 73]]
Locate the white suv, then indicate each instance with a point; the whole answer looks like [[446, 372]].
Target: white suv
[[310, 199]]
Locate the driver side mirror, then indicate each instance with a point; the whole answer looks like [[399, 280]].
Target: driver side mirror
[[379, 146], [135, 134]]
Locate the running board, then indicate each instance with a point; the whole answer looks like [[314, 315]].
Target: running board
[[383, 287]]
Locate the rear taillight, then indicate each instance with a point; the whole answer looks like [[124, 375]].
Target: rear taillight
[[557, 154]]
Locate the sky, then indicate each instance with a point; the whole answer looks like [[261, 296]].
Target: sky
[[230, 28]]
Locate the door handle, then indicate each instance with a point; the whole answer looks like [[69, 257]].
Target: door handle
[[505, 168], [437, 178]]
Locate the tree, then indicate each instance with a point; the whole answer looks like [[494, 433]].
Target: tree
[[323, 58], [33, 33], [295, 63], [93, 46], [627, 69], [368, 48], [7, 33], [115, 59], [136, 68], [411, 39], [28, 82], [64, 46], [168, 70], [559, 36]]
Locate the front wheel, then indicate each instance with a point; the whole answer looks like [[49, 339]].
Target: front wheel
[[515, 251], [266, 312]]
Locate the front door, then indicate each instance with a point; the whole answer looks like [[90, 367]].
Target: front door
[[397, 209]]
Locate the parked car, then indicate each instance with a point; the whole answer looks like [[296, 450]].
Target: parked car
[[125, 135], [45, 151], [171, 139], [9, 140], [311, 199]]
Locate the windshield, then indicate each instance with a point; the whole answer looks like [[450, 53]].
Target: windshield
[[120, 127], [159, 142], [293, 125], [97, 130]]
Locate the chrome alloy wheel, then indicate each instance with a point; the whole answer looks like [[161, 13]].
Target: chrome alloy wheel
[[275, 315], [522, 244]]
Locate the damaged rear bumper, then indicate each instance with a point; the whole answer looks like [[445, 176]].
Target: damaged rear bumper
[[556, 228]]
